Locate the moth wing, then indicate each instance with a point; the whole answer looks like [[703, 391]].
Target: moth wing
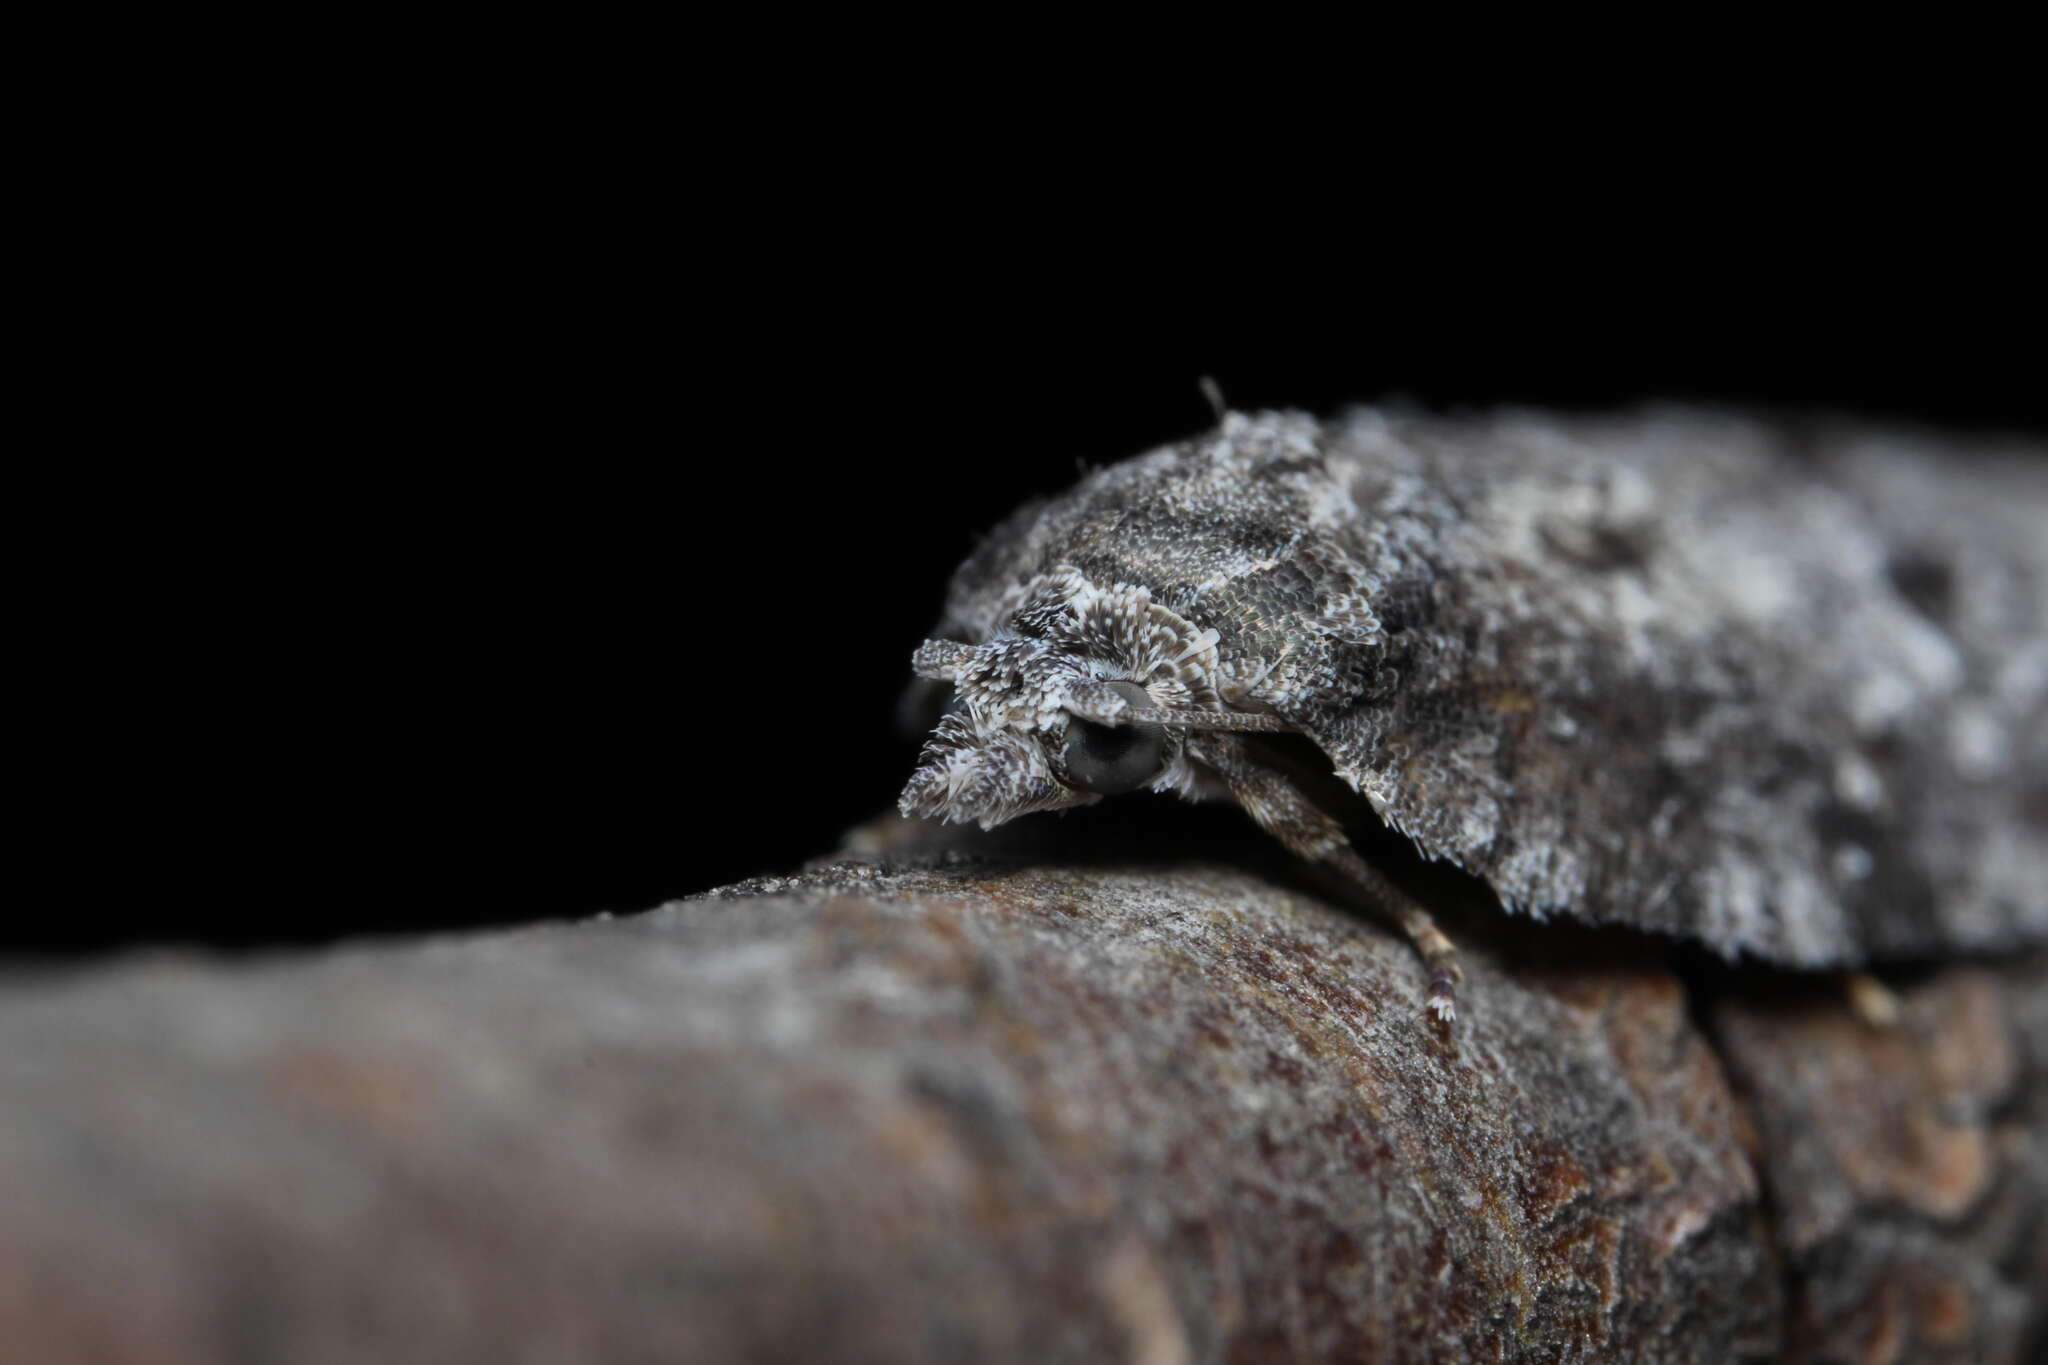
[[1658, 671]]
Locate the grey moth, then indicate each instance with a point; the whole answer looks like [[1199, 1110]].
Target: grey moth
[[1777, 686]]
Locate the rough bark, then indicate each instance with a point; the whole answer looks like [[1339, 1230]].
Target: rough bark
[[918, 1108]]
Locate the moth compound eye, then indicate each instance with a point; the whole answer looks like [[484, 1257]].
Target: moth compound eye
[[1112, 759]]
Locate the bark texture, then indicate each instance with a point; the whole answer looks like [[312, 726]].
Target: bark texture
[[912, 1107]]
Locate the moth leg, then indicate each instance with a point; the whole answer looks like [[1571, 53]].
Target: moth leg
[[1872, 1001], [1309, 833], [1439, 954]]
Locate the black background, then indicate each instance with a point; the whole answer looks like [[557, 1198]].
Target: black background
[[499, 484]]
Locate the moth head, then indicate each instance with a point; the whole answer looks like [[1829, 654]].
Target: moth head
[[1053, 709]]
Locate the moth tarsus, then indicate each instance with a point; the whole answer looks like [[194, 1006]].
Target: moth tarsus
[[1778, 688], [1439, 954], [1872, 1002], [1310, 833]]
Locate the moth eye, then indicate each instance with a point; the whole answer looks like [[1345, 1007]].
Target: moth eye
[[1112, 759]]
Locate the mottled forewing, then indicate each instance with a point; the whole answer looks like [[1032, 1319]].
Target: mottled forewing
[[1779, 687]]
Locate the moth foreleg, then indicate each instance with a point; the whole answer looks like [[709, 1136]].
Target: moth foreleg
[[1439, 954], [1872, 1001], [1308, 832]]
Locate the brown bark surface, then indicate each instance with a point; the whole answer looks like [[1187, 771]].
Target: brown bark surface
[[918, 1108]]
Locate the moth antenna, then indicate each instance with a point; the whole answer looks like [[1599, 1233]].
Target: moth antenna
[[1202, 720], [1213, 391]]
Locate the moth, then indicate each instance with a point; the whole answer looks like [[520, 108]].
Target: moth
[[1775, 686]]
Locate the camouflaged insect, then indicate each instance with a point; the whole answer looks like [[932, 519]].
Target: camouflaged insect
[[1780, 688]]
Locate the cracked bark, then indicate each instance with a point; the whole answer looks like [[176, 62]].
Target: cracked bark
[[1039, 1104]]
